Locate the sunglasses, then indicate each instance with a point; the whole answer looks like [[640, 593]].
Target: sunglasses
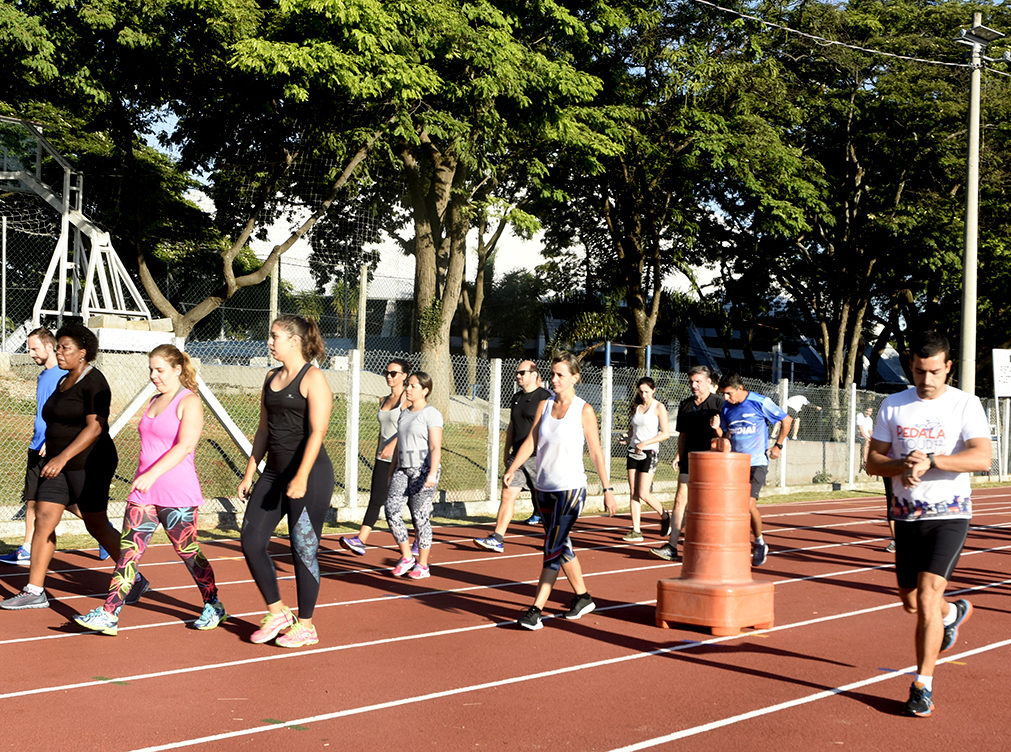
[[528, 370], [390, 374]]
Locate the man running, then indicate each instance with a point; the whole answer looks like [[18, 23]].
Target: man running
[[523, 409], [746, 416], [695, 433], [928, 440]]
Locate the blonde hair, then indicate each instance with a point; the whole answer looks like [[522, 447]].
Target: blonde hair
[[176, 357]]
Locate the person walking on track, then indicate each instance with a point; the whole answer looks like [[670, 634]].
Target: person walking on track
[[563, 425], [297, 482], [165, 491], [80, 462], [522, 410], [695, 434], [390, 408], [746, 417], [928, 440], [413, 482], [648, 426]]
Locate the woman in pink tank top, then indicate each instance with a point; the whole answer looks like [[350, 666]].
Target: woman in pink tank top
[[165, 491]]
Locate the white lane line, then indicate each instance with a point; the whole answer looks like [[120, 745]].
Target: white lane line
[[405, 701], [770, 709]]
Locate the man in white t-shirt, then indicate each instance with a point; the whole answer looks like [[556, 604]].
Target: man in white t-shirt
[[794, 405], [865, 426], [937, 436]]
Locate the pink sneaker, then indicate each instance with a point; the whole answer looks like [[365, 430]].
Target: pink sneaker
[[298, 636], [419, 572], [403, 567], [271, 626]]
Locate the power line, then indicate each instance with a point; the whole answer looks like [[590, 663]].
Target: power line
[[830, 42]]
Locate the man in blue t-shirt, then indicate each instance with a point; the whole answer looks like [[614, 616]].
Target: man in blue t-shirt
[[41, 349], [746, 418]]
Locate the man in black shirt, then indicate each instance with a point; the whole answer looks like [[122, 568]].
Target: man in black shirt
[[523, 409], [694, 435]]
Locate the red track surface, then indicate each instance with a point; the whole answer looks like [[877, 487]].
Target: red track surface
[[438, 664]]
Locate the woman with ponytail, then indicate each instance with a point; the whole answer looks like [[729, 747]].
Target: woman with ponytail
[[298, 481], [165, 491]]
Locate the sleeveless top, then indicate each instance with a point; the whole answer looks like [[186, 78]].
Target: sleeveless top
[[560, 449], [645, 425], [179, 486], [388, 420], [287, 424]]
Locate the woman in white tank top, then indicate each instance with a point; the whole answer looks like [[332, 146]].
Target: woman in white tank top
[[561, 428], [648, 426]]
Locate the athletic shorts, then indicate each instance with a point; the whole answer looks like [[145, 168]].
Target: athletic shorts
[[88, 488], [35, 462], [758, 474], [682, 477], [647, 464], [524, 476], [927, 546]]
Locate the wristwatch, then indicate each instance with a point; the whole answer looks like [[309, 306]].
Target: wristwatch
[[930, 456], [609, 488], [778, 445]]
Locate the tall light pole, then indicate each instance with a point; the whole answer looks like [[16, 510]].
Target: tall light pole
[[978, 37]]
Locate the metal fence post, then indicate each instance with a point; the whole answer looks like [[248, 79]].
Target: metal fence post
[[494, 425], [363, 292], [351, 430], [606, 415], [851, 429], [784, 390]]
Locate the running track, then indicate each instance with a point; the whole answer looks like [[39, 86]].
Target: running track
[[438, 664]]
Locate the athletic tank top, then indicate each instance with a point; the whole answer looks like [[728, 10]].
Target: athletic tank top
[[387, 427], [645, 425], [560, 449], [287, 423], [178, 487]]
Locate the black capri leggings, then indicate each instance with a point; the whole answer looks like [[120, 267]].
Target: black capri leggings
[[377, 493], [267, 505]]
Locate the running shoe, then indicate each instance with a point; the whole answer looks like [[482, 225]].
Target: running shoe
[[920, 702], [414, 548], [298, 636], [491, 543], [963, 610], [759, 553], [99, 620], [22, 556], [890, 548], [353, 544], [272, 624], [102, 553], [534, 519], [667, 552], [404, 566], [24, 600], [419, 572], [632, 536], [531, 619], [140, 586], [212, 615], [579, 606], [665, 524]]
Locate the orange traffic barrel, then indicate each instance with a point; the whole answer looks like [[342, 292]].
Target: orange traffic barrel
[[716, 589]]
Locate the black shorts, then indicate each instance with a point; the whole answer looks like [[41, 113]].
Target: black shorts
[[88, 488], [647, 464], [758, 474], [35, 462], [927, 546]]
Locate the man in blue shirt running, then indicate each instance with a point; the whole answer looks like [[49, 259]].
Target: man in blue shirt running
[[746, 417]]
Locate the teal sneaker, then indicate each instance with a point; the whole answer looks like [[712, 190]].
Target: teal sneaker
[[212, 615], [99, 620]]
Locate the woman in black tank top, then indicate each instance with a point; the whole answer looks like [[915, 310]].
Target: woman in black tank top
[[297, 482]]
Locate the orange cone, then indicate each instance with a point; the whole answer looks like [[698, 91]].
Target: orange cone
[[716, 589]]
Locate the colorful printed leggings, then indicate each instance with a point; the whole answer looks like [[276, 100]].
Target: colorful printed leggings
[[267, 505], [139, 524], [408, 486], [559, 512]]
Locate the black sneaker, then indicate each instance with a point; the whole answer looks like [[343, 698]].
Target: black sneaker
[[665, 524], [920, 702], [964, 611], [667, 552], [759, 553], [581, 604], [140, 586], [531, 619]]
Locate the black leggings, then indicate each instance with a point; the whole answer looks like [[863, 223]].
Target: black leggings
[[267, 505], [377, 494]]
